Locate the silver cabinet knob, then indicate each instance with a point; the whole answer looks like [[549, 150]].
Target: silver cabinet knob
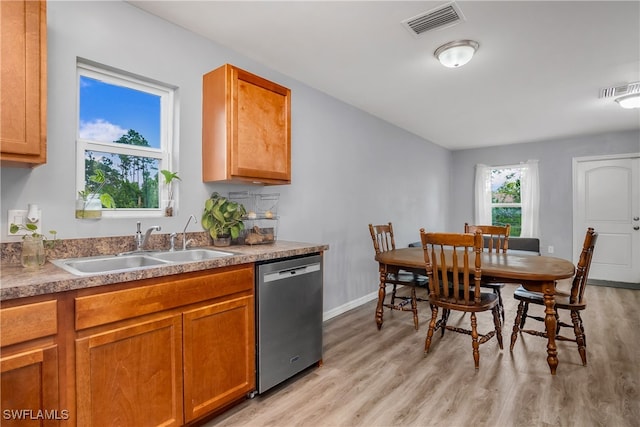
[[635, 218], [636, 228]]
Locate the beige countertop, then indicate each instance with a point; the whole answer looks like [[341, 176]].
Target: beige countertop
[[19, 282]]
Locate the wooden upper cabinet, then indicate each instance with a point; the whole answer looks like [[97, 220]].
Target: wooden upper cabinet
[[23, 83], [246, 128]]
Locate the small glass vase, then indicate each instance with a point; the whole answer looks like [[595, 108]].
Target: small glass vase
[[33, 255], [91, 208], [222, 241], [168, 211]]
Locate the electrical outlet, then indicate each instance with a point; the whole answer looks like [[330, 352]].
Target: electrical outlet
[[19, 216], [550, 249]]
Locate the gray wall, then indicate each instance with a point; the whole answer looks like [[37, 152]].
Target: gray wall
[[348, 167], [555, 168]]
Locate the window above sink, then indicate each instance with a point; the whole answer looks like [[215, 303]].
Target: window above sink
[[125, 132]]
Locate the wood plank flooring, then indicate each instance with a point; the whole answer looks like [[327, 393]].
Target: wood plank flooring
[[382, 378]]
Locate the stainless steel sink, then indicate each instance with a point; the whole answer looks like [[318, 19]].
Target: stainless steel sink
[[86, 266], [190, 255], [108, 264]]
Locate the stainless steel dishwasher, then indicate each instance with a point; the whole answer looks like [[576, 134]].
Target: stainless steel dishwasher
[[289, 318]]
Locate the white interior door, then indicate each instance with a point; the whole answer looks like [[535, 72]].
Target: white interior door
[[607, 198]]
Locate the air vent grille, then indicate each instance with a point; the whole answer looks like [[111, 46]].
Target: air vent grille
[[444, 16], [627, 89]]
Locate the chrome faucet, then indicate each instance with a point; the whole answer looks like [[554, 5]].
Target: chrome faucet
[[138, 236], [184, 231], [141, 241]]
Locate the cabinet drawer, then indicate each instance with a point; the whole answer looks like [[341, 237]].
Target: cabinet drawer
[[27, 322], [155, 295]]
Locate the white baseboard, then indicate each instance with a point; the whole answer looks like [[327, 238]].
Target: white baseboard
[[349, 306]]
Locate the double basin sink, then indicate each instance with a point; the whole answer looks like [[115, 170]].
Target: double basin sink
[[86, 266]]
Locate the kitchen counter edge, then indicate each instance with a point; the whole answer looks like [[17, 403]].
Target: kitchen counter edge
[[19, 282]]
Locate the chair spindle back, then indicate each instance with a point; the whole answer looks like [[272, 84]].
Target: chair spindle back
[[497, 236], [447, 258], [382, 236], [582, 269]]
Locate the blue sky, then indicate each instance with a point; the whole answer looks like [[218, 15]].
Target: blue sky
[[107, 112]]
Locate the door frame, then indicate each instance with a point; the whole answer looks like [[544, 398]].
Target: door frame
[[578, 233]]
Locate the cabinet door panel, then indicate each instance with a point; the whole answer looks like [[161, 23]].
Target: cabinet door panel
[[131, 376], [246, 128], [219, 355], [23, 82], [29, 389], [261, 147]]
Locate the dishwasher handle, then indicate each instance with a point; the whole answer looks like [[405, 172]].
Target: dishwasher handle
[[291, 272]]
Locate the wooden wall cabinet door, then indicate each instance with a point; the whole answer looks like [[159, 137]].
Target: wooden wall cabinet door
[[131, 375], [219, 355], [23, 83], [246, 128]]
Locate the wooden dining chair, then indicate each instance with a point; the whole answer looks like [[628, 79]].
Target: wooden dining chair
[[495, 238], [383, 241], [453, 264], [573, 302]]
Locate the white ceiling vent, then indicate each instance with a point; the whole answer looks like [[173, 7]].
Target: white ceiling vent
[[627, 89], [441, 17]]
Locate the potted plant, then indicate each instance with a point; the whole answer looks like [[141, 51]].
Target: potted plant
[[90, 200], [169, 177], [222, 218], [33, 254]]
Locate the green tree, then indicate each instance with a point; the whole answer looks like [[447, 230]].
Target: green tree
[[131, 180], [508, 192]]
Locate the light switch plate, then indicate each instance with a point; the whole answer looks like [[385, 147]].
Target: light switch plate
[[19, 216]]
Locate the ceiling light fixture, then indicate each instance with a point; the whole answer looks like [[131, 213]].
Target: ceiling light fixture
[[629, 101], [456, 53]]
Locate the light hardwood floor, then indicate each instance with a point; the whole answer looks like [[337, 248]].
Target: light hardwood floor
[[382, 378]]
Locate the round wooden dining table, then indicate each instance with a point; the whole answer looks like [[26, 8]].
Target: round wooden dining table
[[535, 273]]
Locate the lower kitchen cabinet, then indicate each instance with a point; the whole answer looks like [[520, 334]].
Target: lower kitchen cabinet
[[165, 351], [29, 388], [219, 355], [131, 376]]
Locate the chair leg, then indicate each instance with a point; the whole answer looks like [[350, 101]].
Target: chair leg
[[432, 327], [393, 295], [516, 325], [474, 340], [501, 307], [445, 319], [498, 324], [577, 329], [524, 314], [584, 336], [414, 307]]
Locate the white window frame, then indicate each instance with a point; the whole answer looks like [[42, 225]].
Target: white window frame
[[529, 196], [163, 154]]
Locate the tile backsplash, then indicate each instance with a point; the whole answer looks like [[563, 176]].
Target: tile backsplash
[[73, 248]]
